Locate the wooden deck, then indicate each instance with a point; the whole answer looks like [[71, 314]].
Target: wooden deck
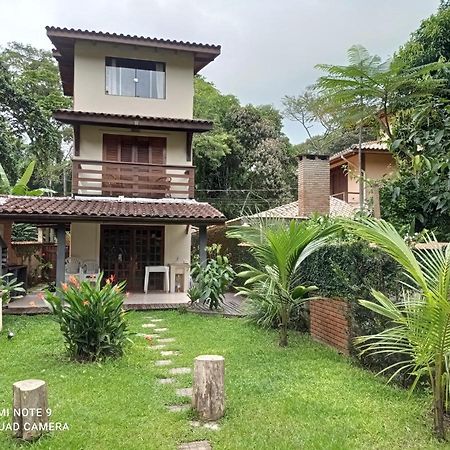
[[232, 307]]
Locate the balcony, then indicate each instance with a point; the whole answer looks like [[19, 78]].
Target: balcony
[[113, 179]]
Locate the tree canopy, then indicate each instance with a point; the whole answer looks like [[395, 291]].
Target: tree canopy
[[245, 163]]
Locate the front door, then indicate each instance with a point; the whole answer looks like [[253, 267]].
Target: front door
[[125, 251]]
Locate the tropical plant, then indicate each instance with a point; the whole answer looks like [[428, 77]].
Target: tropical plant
[[21, 187], [91, 317], [279, 249], [420, 331], [369, 90], [211, 280], [10, 288], [24, 232]]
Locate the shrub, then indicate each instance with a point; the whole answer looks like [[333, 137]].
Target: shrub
[[10, 288], [211, 281], [350, 270], [91, 318]]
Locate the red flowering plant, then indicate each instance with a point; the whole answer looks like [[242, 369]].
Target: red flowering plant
[[91, 317]]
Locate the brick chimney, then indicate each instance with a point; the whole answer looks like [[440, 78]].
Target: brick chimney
[[313, 185]]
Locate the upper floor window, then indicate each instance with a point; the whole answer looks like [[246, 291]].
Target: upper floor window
[[135, 78]]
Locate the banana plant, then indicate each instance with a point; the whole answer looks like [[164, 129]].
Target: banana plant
[[21, 187]]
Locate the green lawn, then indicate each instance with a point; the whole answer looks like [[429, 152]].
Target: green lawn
[[305, 396]]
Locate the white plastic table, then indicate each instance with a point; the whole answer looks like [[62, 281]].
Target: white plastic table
[[158, 269]]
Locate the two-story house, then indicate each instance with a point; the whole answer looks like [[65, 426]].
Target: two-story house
[[133, 185]]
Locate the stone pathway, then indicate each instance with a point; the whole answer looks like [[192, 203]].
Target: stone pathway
[[196, 445], [181, 392]]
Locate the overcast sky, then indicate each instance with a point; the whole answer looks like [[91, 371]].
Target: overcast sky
[[269, 47]]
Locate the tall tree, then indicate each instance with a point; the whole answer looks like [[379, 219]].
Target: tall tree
[[369, 88], [245, 162], [29, 92]]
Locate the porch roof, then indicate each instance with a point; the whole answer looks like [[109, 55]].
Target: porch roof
[[103, 209], [131, 121]]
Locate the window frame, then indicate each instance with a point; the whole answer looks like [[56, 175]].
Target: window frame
[[163, 97]]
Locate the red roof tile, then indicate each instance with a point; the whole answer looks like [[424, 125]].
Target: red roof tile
[[66, 209], [131, 121]]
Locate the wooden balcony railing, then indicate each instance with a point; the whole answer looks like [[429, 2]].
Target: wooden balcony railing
[[112, 179], [345, 195]]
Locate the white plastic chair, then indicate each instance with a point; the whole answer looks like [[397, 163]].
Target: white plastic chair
[[90, 271], [72, 268]]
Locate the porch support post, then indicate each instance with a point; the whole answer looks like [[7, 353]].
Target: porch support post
[[60, 253], [202, 238]]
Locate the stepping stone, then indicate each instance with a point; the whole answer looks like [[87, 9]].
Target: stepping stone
[[150, 336], [195, 445], [167, 380], [178, 408], [184, 392], [159, 330], [169, 352], [149, 325], [209, 425], [157, 320], [163, 362], [179, 370], [166, 340], [157, 347]]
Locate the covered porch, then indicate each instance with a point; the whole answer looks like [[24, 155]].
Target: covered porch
[[124, 237]]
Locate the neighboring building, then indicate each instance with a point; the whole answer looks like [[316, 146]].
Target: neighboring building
[[313, 195], [132, 200], [377, 162]]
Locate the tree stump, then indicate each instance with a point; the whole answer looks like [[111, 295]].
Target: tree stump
[[30, 409], [208, 395]]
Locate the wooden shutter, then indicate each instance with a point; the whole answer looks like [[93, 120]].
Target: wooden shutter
[[126, 149], [111, 147], [158, 150], [142, 150]]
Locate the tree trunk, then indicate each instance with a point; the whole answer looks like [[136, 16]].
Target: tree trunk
[[284, 318], [208, 394], [438, 406], [30, 409]]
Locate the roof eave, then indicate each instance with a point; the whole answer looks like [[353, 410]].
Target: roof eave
[[72, 118]]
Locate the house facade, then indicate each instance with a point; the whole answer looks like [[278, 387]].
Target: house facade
[[376, 163], [133, 181]]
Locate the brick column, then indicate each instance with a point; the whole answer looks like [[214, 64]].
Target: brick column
[[329, 323], [313, 185]]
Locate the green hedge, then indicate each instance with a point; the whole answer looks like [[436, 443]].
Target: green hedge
[[349, 270]]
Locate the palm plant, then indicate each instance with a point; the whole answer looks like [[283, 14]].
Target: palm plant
[[21, 187], [369, 89], [420, 332], [279, 250]]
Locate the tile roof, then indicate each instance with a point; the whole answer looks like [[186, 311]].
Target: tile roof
[[130, 120], [64, 39], [51, 31], [66, 209], [338, 208], [366, 146]]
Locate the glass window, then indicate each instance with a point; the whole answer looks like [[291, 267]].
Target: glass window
[[135, 78]]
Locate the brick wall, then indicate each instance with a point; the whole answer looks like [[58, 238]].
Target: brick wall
[[329, 323], [313, 185]]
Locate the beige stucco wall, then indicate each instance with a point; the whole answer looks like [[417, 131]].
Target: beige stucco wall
[[85, 242], [377, 166], [89, 81], [177, 246], [91, 142]]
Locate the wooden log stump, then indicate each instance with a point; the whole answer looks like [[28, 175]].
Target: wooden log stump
[[208, 395], [30, 409]]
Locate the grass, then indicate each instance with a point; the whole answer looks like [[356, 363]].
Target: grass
[[305, 396]]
